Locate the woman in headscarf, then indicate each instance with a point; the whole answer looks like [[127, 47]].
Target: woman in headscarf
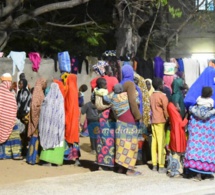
[[8, 108], [37, 100], [149, 86], [145, 114], [52, 126], [128, 122], [23, 102], [72, 117], [177, 96]]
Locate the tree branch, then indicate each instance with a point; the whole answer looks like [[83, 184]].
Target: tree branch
[[47, 8], [70, 26], [180, 28], [150, 32], [10, 6]]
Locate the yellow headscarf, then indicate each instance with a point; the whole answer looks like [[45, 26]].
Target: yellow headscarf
[[152, 88]]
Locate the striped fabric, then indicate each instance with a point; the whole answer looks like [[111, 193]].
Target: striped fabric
[[8, 109]]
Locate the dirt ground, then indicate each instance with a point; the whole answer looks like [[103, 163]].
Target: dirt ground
[[13, 171]]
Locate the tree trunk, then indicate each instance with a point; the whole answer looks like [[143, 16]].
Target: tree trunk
[[127, 39]]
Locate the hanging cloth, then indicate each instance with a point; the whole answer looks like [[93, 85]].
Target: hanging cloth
[[158, 67], [191, 70], [180, 65], [36, 60], [74, 65], [18, 60]]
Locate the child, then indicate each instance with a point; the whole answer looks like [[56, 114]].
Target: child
[[205, 99], [99, 92], [92, 117], [204, 105], [158, 101], [82, 89]]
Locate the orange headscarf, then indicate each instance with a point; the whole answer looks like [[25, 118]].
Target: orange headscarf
[[72, 110]]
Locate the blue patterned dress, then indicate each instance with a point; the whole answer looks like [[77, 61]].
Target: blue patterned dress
[[200, 152]]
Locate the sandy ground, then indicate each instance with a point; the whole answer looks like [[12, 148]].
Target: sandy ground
[[15, 171], [17, 177]]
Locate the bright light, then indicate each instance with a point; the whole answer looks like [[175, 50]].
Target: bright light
[[200, 56]]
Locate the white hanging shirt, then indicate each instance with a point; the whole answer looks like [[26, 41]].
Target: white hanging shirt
[[18, 60]]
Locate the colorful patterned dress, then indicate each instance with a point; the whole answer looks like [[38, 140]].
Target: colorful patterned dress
[[200, 152], [105, 141]]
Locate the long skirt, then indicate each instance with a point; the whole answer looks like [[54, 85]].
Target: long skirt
[[126, 144], [105, 141], [12, 147], [200, 155], [53, 155], [72, 151], [33, 150]]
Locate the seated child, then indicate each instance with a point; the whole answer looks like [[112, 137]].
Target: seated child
[[204, 107]]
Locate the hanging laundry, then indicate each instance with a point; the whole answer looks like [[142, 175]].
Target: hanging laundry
[[36, 60], [144, 68], [203, 63], [191, 70], [180, 65], [158, 67], [64, 61], [82, 59], [74, 65], [18, 60]]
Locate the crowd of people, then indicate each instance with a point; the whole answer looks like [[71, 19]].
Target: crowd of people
[[42, 124]]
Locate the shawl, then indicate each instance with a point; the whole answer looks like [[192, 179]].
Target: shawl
[[177, 96], [23, 100], [205, 79], [168, 80], [72, 110], [152, 88], [177, 133], [52, 118], [61, 86], [145, 99], [37, 100], [128, 75], [8, 110]]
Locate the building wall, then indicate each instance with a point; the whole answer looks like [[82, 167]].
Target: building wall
[[198, 36]]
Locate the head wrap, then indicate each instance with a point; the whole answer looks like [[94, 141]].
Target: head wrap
[[118, 88], [6, 77]]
